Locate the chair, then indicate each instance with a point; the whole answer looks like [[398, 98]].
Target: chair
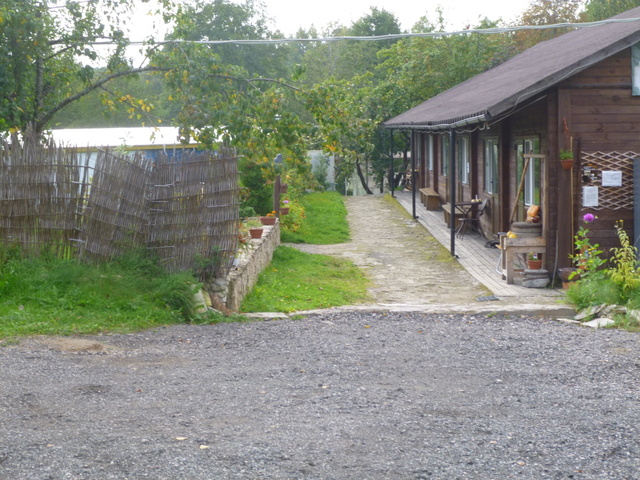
[[472, 219]]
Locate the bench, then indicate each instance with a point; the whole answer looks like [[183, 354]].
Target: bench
[[446, 210], [430, 198]]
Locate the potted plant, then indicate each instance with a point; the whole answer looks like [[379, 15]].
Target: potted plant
[[284, 210], [269, 219], [534, 261], [256, 232], [568, 276], [566, 154]]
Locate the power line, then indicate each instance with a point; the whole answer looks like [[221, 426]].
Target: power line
[[373, 38]]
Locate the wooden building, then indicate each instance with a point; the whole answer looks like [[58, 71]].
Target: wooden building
[[577, 92]]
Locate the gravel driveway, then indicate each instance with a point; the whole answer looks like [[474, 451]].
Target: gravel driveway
[[334, 396]]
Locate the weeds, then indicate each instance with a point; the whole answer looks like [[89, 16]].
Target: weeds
[[615, 284]]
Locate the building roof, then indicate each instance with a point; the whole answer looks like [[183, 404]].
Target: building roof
[[147, 138], [500, 90]]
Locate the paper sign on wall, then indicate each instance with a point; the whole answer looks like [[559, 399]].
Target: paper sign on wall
[[611, 178], [589, 196]]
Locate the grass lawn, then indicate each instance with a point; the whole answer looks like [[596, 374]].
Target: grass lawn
[[297, 281], [300, 281], [50, 296], [326, 221]]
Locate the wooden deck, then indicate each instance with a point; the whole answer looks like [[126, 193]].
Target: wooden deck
[[479, 261]]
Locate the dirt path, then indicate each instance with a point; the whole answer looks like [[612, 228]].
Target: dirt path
[[406, 264]]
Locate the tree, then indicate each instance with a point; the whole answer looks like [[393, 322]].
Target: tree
[[47, 53], [596, 10], [347, 59], [226, 20], [546, 12]]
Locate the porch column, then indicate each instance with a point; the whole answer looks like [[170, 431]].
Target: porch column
[[452, 189]]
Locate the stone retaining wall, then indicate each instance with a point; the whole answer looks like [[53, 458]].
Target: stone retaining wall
[[243, 277]]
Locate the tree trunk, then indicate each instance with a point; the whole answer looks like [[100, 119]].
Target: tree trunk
[[362, 179]]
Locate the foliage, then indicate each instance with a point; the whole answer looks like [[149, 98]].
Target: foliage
[[299, 281], [589, 256], [256, 193], [325, 221], [344, 124], [48, 295], [596, 10], [546, 12], [295, 219], [585, 293], [617, 284], [625, 271], [566, 154], [47, 54], [345, 60]]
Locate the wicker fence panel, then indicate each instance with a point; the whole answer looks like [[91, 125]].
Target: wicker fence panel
[[39, 192], [185, 209], [193, 214], [115, 211]]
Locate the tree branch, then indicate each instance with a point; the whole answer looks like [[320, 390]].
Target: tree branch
[[42, 121]]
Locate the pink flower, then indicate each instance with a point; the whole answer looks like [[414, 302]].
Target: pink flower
[[589, 217]]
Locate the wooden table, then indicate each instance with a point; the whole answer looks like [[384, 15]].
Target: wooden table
[[467, 210]]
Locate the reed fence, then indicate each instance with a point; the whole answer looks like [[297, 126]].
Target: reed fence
[[97, 205]]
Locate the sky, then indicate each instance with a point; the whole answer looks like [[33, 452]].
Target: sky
[[290, 15]]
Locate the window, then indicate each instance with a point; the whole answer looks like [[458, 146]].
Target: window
[[430, 152], [445, 155], [491, 165], [635, 69], [533, 174], [462, 154]]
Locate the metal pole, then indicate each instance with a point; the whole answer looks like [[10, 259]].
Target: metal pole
[[452, 189], [636, 203], [276, 196], [391, 180], [413, 175]]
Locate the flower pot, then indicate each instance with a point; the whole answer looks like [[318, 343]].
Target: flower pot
[[268, 220], [284, 211], [565, 273], [567, 164], [534, 264], [284, 187], [255, 232]]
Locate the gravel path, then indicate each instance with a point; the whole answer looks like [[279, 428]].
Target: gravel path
[[405, 263], [337, 396]]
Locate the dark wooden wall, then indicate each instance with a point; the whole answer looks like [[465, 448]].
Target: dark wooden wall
[[604, 117]]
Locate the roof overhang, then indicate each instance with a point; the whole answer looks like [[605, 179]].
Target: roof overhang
[[447, 125]]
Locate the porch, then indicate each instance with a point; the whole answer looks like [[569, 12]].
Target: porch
[[479, 261]]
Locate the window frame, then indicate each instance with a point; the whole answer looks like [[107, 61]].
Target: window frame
[[491, 156]]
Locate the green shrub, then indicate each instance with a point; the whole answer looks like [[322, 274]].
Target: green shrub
[[587, 292]]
